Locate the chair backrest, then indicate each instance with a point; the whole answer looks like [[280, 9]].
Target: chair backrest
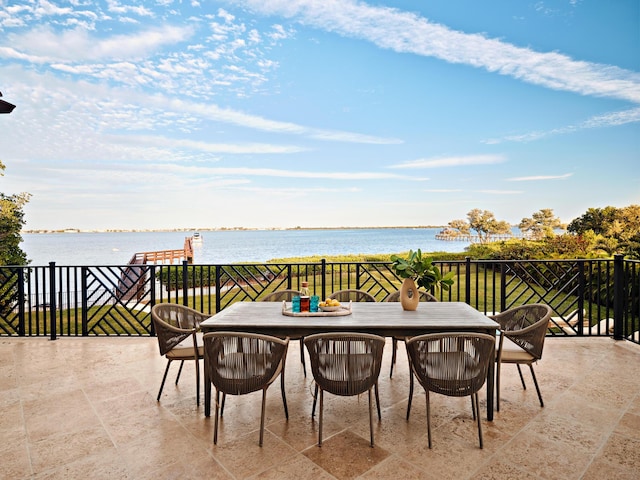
[[453, 364], [240, 363], [353, 295], [280, 295], [424, 297], [178, 315], [526, 326], [173, 323], [345, 363]]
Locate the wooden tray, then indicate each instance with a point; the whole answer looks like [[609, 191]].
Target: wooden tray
[[286, 310]]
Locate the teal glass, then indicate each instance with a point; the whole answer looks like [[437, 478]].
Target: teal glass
[[295, 304], [313, 304]]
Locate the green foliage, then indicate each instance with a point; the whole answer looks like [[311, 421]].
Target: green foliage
[[422, 270], [11, 222], [612, 230], [541, 224], [556, 247], [483, 222]]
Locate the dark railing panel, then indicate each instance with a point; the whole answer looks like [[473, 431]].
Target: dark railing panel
[[589, 297]]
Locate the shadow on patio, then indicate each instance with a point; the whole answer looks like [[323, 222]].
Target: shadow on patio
[[86, 407]]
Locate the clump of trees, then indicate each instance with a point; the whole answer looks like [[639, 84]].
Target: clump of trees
[[11, 223], [482, 222], [600, 232]]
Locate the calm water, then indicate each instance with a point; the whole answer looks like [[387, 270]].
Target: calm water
[[229, 246]]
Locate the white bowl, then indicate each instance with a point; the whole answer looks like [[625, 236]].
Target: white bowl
[[330, 309]]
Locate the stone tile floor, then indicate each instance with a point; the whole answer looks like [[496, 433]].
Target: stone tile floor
[[86, 408]]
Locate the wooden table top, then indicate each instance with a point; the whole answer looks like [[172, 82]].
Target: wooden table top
[[381, 318]]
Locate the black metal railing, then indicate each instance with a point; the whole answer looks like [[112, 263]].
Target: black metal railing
[[589, 297]]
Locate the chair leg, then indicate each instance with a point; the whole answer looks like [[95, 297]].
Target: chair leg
[[393, 355], [521, 377], [498, 386], [378, 401], [473, 408], [476, 403], [428, 418], [304, 366], [197, 381], [164, 377], [410, 393], [224, 398], [315, 399], [284, 396], [535, 382], [371, 417], [179, 371], [264, 402], [215, 424], [320, 417]]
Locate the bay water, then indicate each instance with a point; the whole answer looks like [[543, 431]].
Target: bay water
[[229, 246]]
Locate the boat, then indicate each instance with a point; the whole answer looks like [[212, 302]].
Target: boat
[[196, 237]]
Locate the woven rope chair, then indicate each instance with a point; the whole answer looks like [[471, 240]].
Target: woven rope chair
[[345, 364], [242, 363], [282, 296], [395, 297], [176, 327], [452, 364], [352, 295], [522, 333]]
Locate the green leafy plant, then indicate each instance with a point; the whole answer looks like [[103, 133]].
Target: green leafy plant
[[421, 270]]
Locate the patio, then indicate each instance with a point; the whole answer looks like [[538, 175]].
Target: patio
[[79, 407]]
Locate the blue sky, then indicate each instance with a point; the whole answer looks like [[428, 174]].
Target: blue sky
[[284, 113]]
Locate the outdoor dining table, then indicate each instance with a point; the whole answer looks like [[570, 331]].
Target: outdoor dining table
[[386, 319]]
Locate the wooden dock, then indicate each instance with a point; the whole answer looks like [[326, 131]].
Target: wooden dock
[[133, 278], [447, 237]]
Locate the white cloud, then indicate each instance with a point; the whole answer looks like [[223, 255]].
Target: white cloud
[[45, 45], [452, 161], [540, 177], [407, 32], [610, 119]]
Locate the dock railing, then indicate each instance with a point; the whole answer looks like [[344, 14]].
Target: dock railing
[[589, 297]]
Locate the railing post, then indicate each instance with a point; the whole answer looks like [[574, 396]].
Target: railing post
[[581, 295], [618, 296], [503, 286], [21, 300], [185, 283], [467, 280], [217, 289], [323, 273], [52, 301], [85, 302]]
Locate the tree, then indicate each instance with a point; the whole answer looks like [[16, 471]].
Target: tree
[[597, 220], [541, 224], [616, 230], [11, 222], [484, 223]]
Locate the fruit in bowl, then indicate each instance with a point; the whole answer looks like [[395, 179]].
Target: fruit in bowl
[[330, 305]]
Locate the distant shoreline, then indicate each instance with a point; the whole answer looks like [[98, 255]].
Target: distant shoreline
[[221, 229]]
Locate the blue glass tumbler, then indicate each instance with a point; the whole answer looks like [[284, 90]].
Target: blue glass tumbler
[[313, 303], [295, 304]]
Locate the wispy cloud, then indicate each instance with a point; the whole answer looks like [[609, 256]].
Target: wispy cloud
[[535, 178], [444, 162], [501, 192], [611, 119], [407, 32], [270, 172]]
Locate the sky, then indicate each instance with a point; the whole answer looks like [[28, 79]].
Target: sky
[[309, 113]]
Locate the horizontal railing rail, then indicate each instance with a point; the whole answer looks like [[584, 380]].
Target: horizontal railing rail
[[589, 297]]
